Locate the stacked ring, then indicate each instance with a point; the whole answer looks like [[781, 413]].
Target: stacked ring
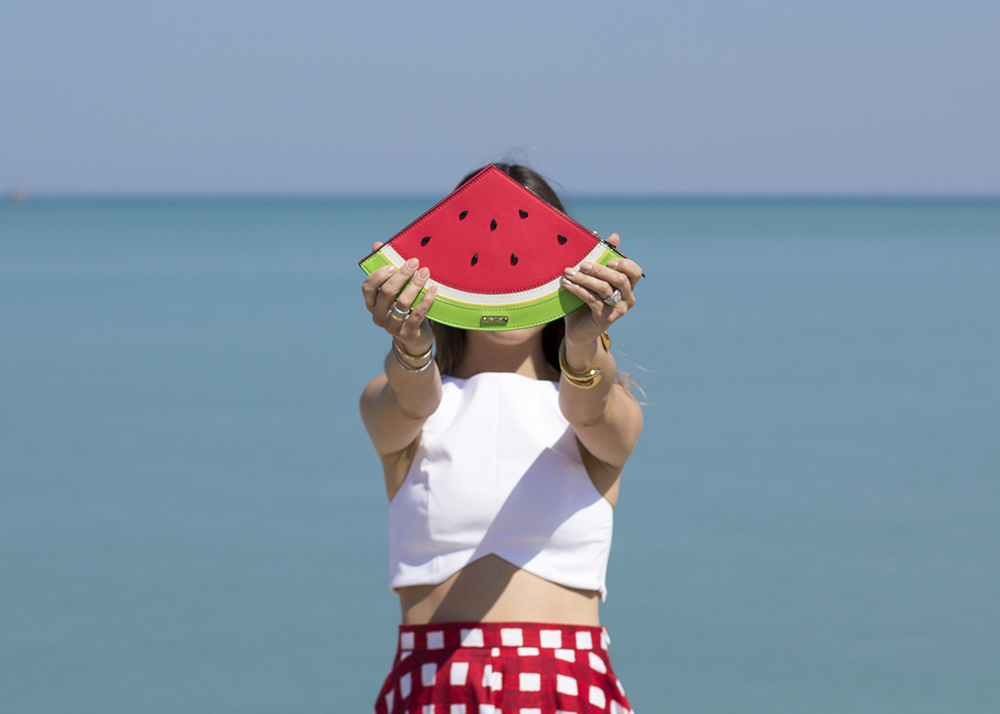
[[396, 314]]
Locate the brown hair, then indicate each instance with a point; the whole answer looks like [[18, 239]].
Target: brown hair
[[451, 340]]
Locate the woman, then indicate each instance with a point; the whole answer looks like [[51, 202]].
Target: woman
[[502, 459]]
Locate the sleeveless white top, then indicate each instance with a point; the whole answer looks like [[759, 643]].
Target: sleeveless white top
[[498, 470]]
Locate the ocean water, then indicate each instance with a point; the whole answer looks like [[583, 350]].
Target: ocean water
[[192, 520]]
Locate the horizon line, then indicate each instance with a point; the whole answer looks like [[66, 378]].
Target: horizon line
[[19, 196]]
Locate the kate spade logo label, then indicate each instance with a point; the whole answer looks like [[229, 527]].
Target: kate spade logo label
[[493, 320]]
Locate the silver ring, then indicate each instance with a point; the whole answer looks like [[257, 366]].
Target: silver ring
[[396, 314], [614, 298]]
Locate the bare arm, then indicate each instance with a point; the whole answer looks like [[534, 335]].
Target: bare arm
[[606, 418], [395, 405]]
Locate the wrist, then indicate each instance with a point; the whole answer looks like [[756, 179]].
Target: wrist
[[415, 346], [581, 365], [409, 361], [582, 356]]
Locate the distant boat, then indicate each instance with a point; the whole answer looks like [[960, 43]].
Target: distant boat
[[17, 195]]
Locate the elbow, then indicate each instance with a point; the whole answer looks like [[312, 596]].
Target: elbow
[[586, 421], [418, 414]]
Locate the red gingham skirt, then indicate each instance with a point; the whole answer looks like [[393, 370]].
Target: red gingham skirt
[[502, 668]]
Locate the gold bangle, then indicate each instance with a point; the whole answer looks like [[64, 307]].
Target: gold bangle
[[415, 358], [583, 380], [398, 352]]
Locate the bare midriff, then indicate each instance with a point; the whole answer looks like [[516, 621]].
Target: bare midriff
[[491, 589]]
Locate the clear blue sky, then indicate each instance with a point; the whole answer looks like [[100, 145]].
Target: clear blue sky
[[803, 97]]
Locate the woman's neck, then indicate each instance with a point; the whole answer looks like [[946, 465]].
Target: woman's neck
[[497, 352]]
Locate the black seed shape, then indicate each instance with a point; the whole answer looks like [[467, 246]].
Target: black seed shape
[[513, 259], [425, 240], [475, 258], [562, 239], [462, 215], [522, 213], [493, 224]]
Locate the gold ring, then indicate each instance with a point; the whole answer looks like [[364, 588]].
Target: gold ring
[[396, 314]]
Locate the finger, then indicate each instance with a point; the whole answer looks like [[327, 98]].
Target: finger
[[409, 294], [416, 326], [617, 275], [391, 288], [420, 311], [598, 279], [376, 245], [373, 283], [614, 240], [630, 268], [602, 315], [594, 300], [614, 275], [609, 283]]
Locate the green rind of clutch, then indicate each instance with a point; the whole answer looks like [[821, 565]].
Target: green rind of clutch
[[519, 315]]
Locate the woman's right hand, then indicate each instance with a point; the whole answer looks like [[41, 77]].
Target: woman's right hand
[[380, 290]]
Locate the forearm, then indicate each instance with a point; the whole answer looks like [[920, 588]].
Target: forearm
[[416, 393], [585, 406], [605, 417], [395, 405]]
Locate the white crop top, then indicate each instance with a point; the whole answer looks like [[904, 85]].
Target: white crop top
[[498, 470]]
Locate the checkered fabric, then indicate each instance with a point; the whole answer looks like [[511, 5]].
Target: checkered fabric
[[502, 668]]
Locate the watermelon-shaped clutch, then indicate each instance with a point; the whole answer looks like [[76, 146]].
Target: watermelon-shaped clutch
[[497, 253]]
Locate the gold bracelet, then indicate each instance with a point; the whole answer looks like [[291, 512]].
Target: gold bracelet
[[398, 352], [583, 380], [415, 358]]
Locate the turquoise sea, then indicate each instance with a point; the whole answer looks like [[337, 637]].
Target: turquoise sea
[[192, 520]]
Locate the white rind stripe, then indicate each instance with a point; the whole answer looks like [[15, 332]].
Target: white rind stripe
[[486, 299]]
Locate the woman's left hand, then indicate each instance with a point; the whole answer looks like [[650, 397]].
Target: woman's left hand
[[593, 283]]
